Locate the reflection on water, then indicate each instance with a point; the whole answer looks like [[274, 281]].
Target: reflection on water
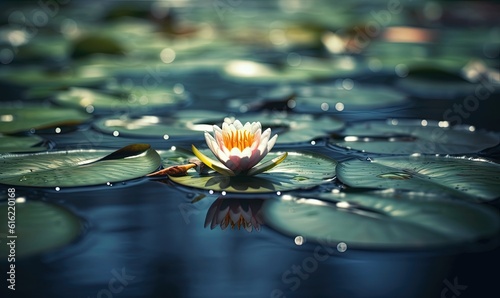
[[240, 183], [236, 213], [306, 69]]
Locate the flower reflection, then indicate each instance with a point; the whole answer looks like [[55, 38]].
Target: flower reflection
[[239, 213], [239, 148]]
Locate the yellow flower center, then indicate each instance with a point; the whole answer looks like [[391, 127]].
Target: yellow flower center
[[240, 139]]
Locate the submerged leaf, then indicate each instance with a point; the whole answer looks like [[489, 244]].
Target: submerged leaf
[[40, 228]]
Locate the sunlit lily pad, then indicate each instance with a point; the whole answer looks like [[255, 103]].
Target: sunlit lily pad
[[135, 101], [78, 167], [459, 177], [302, 69], [19, 119], [414, 136], [299, 170], [11, 144], [182, 124], [295, 128], [40, 227], [382, 220], [329, 98]]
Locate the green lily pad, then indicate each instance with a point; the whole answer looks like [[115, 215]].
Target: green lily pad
[[431, 82], [295, 128], [91, 45], [334, 99], [305, 68], [299, 170], [40, 227], [182, 124], [20, 119], [471, 179], [40, 78], [134, 101], [78, 167], [32, 143], [411, 136], [382, 220]]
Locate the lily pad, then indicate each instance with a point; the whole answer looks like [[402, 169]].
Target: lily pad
[[471, 179], [435, 83], [329, 98], [182, 124], [11, 144], [295, 128], [78, 167], [304, 68], [414, 136], [20, 119], [40, 227], [299, 170], [41, 78], [382, 220], [135, 101], [91, 45]]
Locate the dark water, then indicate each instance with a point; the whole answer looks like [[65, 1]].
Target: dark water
[[146, 237]]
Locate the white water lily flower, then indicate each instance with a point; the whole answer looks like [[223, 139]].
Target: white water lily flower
[[239, 148]]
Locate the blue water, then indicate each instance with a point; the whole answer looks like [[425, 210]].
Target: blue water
[[145, 237]]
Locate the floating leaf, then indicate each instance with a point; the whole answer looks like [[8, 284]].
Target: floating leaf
[[182, 124], [402, 136], [299, 170], [90, 45], [295, 128], [40, 227], [382, 220], [432, 83], [19, 119], [459, 177], [41, 78], [78, 167], [305, 68], [15, 144], [329, 98], [135, 101]]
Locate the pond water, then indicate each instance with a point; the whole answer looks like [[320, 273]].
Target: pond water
[[387, 111]]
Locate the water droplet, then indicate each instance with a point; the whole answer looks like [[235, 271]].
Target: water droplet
[[342, 247], [299, 240]]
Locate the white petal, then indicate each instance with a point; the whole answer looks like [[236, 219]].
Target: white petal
[[271, 142], [211, 142], [264, 139], [256, 126], [237, 124], [257, 139]]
